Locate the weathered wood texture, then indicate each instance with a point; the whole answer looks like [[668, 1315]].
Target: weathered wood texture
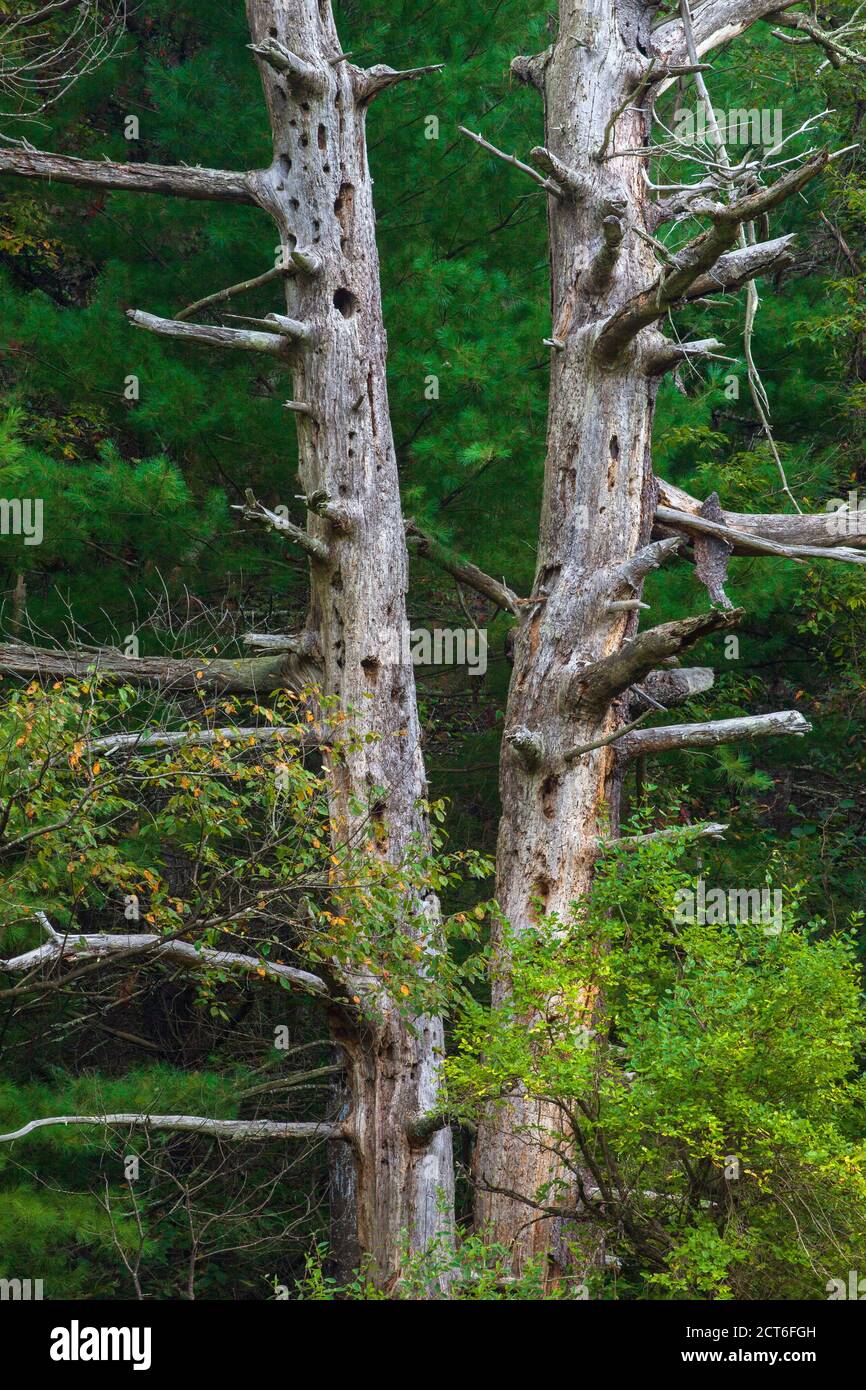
[[576, 656], [319, 192], [596, 513]]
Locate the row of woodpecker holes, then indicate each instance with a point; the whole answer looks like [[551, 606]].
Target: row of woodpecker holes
[[345, 302]]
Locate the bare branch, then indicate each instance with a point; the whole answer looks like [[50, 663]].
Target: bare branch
[[297, 71], [210, 336], [716, 22], [605, 740], [605, 258], [714, 732], [744, 543], [737, 268], [37, 69], [279, 324], [547, 184], [257, 511], [104, 946], [340, 514], [287, 670], [369, 82], [632, 572], [210, 185], [303, 259], [568, 180], [698, 830], [530, 68], [270, 641], [307, 260], [528, 747], [830, 40], [599, 682], [220, 297], [699, 257], [662, 353], [630, 100], [674, 686], [462, 570], [294, 329]]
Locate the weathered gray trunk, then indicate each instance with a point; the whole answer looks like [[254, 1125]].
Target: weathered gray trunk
[[596, 511], [319, 192]]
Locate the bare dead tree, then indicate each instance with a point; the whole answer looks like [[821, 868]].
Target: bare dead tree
[[330, 338], [606, 522]]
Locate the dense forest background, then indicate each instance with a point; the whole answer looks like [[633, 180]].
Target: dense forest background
[[140, 537]]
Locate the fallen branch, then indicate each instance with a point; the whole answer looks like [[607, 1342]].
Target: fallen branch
[[113, 743], [744, 543], [799, 536], [289, 669]]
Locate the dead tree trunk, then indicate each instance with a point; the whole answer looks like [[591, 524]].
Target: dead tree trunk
[[318, 190], [596, 510], [577, 655]]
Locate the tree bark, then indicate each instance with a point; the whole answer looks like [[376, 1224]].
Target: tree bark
[[597, 508], [576, 656], [319, 192]]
